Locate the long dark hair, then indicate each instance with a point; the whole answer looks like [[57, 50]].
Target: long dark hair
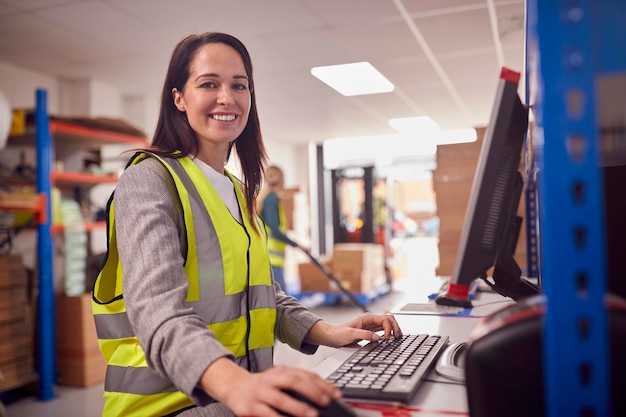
[[174, 133]]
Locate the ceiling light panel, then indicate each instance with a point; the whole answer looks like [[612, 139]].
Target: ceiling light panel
[[452, 136], [354, 79], [420, 124]]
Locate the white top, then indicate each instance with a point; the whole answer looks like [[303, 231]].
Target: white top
[[223, 185]]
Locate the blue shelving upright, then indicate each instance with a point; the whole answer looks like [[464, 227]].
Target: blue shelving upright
[[45, 254], [570, 45], [79, 136]]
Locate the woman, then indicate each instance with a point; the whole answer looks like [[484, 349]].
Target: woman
[[185, 307], [272, 212]]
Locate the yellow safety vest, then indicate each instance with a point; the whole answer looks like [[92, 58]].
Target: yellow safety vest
[[131, 387], [275, 246]]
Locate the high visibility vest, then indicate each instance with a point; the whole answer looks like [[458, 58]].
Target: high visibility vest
[[275, 246], [223, 269]]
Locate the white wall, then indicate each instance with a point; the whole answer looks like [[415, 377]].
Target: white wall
[[77, 97], [88, 98], [293, 160], [19, 85], [141, 112]]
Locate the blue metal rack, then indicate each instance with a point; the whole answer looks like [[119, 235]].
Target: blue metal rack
[[45, 254], [571, 43], [46, 311]]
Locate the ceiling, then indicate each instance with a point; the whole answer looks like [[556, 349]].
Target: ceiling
[[443, 56]]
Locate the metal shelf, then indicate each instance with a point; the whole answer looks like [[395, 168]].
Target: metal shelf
[[73, 135], [76, 179], [42, 135], [569, 45], [35, 203]]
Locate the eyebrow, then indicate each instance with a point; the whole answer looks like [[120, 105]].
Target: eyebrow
[[215, 75]]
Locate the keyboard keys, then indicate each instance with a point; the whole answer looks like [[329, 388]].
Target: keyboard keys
[[389, 370]]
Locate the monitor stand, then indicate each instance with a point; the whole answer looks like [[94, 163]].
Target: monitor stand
[[462, 300], [507, 276]]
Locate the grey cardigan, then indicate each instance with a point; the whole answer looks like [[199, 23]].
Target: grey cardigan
[[176, 341]]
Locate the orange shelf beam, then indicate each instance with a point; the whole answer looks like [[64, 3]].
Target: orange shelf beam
[[35, 203], [82, 177], [88, 227], [104, 135]]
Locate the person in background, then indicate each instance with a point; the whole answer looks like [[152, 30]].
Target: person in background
[[271, 210], [185, 308]]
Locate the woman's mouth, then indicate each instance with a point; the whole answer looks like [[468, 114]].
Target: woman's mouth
[[224, 117]]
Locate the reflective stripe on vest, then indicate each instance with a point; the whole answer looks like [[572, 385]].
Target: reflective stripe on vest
[[275, 246], [220, 288]]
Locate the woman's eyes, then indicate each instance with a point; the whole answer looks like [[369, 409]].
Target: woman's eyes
[[213, 85]]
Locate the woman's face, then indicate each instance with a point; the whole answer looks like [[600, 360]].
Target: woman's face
[[216, 96]]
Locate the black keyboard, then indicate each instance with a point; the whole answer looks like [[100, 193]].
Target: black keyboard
[[389, 370]]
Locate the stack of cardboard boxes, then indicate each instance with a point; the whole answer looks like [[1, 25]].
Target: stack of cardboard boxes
[[359, 267], [79, 360], [452, 182], [17, 366]]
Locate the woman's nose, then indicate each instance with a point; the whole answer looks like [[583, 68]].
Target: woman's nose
[[225, 96]]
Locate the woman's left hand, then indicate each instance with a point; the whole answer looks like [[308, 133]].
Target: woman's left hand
[[364, 327], [375, 323]]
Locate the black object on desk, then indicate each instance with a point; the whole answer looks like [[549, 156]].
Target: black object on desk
[[336, 408], [503, 361]]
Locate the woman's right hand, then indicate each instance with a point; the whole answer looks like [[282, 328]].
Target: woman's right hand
[[262, 394]]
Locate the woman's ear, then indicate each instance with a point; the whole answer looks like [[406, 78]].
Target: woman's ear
[[178, 100]]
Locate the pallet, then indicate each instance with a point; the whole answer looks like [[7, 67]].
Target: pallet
[[317, 298]]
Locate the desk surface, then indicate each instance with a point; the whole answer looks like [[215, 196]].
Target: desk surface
[[436, 396]]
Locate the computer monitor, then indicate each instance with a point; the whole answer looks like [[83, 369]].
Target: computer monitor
[[491, 226]]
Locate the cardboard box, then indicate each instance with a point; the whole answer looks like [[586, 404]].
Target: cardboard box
[[17, 366], [12, 272], [79, 360], [362, 282], [452, 184], [80, 369], [16, 327], [360, 267], [358, 257], [459, 170], [13, 302], [312, 278], [17, 373]]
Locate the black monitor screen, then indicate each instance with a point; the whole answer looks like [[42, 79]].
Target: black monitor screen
[[491, 224]]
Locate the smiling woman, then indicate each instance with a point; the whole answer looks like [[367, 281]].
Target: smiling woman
[[186, 307], [216, 99]]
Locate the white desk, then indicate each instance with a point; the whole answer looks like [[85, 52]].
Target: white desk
[[438, 399]]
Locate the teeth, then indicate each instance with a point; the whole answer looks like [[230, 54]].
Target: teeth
[[224, 118]]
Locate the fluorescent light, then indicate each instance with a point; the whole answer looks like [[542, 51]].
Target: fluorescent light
[[448, 137], [377, 150], [428, 129], [354, 79], [421, 124]]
